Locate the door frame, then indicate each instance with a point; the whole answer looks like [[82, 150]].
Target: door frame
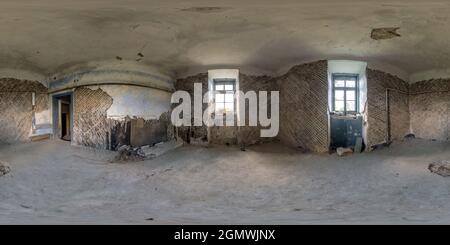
[[56, 114]]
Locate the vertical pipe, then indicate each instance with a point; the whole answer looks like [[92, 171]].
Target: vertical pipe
[[388, 118], [33, 112]]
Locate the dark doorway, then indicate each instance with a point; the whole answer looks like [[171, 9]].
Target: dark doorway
[[62, 116]]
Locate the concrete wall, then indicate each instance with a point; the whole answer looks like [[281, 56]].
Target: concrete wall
[[17, 112], [430, 109], [108, 116], [303, 107], [377, 113]]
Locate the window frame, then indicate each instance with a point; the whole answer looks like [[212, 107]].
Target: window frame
[[224, 81], [345, 76]]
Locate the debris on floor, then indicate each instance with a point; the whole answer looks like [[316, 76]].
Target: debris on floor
[[199, 141], [4, 168], [441, 168], [302, 149], [160, 148], [410, 136], [384, 33], [380, 146], [128, 153], [341, 151]]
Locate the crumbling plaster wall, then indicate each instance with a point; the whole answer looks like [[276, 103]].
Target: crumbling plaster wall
[[248, 135], [90, 124], [377, 112], [136, 102], [303, 107], [108, 116], [242, 135], [430, 109], [16, 110], [187, 84]]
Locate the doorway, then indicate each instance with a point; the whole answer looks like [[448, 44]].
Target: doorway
[[63, 116]]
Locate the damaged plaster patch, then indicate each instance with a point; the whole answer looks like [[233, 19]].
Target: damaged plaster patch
[[91, 127], [133, 101], [206, 10], [384, 33]]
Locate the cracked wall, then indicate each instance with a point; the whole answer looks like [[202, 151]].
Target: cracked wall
[[109, 116], [16, 108], [187, 84], [430, 109], [90, 124], [303, 106], [242, 135], [377, 112], [248, 135]]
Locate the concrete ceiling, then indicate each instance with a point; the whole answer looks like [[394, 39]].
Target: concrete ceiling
[[257, 36]]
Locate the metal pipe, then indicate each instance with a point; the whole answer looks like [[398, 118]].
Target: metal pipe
[[388, 118]]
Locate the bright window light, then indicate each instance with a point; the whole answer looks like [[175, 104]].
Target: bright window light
[[224, 90]]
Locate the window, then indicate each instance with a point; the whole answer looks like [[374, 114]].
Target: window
[[224, 95], [345, 93]]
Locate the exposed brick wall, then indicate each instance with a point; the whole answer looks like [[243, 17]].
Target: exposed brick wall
[[90, 124], [245, 135], [377, 83], [24, 86], [248, 135], [220, 135], [187, 84], [303, 106], [16, 109], [399, 115], [92, 127], [430, 109], [430, 86]]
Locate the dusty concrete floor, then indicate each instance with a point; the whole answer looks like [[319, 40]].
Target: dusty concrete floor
[[53, 182]]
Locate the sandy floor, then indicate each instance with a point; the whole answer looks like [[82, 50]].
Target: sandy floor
[[53, 182]]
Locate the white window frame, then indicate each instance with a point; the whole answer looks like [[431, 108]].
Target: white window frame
[[224, 82], [345, 77]]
